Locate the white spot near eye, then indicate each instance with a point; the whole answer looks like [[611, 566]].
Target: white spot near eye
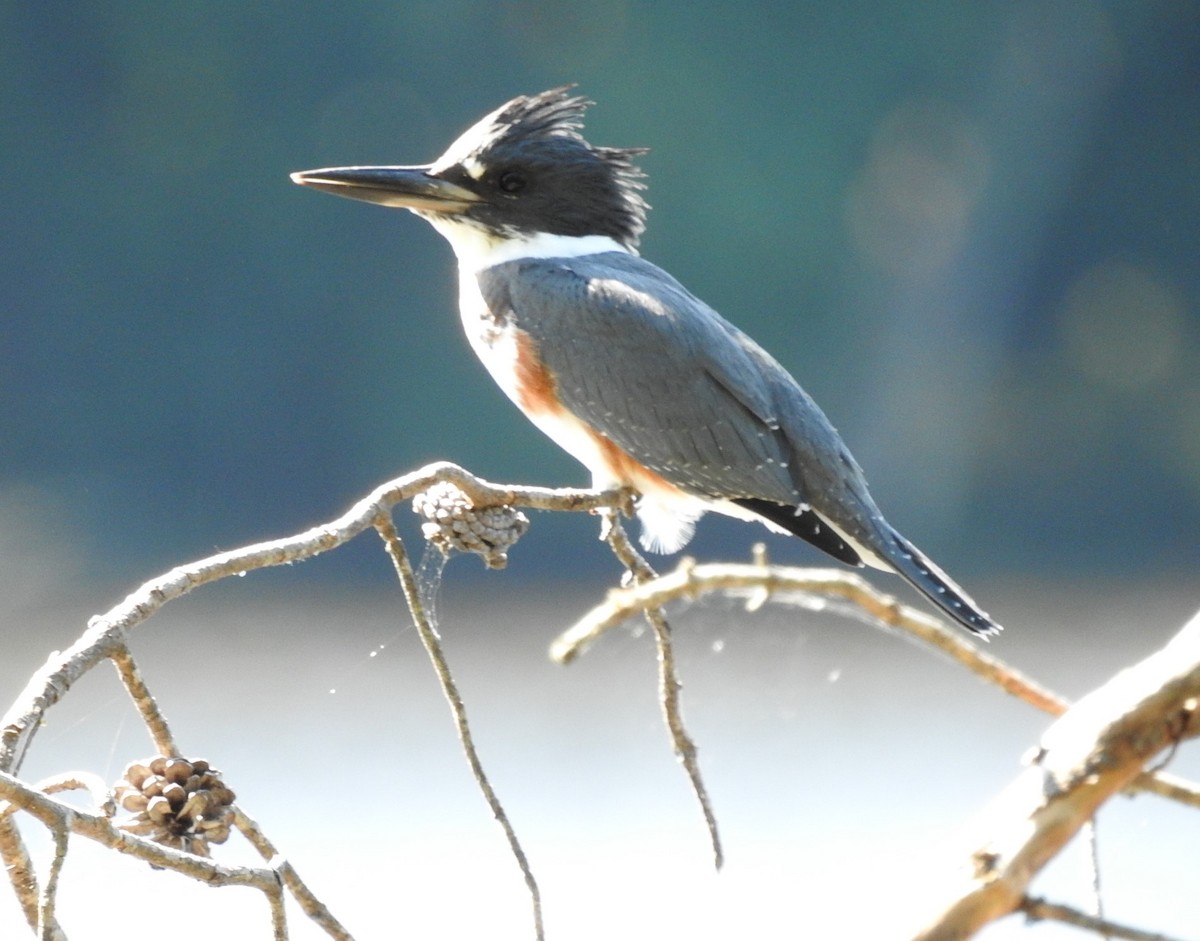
[[474, 168]]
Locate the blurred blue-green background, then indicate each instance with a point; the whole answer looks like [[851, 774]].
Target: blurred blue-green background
[[969, 230]]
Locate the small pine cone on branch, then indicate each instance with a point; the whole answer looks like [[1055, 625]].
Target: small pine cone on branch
[[452, 521], [178, 802]]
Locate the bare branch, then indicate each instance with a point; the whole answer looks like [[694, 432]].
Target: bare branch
[[1096, 749], [668, 678], [47, 924], [60, 818], [1102, 745], [1041, 910], [39, 904], [156, 722], [1169, 786], [106, 634], [95, 786], [19, 867], [433, 648], [691, 581], [278, 912], [313, 907]]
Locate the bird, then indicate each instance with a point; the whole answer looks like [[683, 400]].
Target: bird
[[616, 361]]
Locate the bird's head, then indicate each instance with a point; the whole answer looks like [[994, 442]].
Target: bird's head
[[522, 170]]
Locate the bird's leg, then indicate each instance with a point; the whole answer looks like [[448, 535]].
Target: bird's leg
[[609, 519], [612, 532]]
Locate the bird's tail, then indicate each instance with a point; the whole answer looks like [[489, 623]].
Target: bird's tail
[[920, 571]]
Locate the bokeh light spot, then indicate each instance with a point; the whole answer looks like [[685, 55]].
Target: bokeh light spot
[[909, 207], [1123, 326]]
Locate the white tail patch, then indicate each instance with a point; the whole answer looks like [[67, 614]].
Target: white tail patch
[[666, 529]]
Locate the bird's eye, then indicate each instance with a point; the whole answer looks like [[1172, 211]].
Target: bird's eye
[[511, 182]]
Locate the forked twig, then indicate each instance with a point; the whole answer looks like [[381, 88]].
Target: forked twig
[[313, 907], [106, 634], [760, 582], [106, 638]]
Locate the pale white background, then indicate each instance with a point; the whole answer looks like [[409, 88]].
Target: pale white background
[[842, 763]]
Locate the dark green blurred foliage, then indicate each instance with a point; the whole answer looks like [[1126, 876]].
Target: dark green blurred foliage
[[969, 229]]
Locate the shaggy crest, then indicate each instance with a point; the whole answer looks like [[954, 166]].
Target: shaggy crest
[[543, 131]]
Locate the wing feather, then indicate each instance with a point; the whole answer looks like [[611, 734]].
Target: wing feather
[[645, 363], [667, 379]]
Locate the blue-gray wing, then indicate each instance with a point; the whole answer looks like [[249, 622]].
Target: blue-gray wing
[[645, 363], [641, 360]]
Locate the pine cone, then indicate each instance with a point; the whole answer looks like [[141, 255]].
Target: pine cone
[[176, 802], [453, 522]]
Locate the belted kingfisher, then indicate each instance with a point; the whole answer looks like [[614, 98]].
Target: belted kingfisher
[[615, 360]]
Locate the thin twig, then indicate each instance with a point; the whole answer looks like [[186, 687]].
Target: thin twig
[[278, 911], [1170, 786], [39, 904], [1040, 910], [56, 815], [47, 925], [433, 647], [313, 907], [95, 786], [668, 678], [62, 819], [760, 582], [147, 706], [17, 862], [71, 781], [690, 581], [1093, 848]]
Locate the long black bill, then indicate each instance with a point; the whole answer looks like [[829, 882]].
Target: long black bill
[[402, 187]]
